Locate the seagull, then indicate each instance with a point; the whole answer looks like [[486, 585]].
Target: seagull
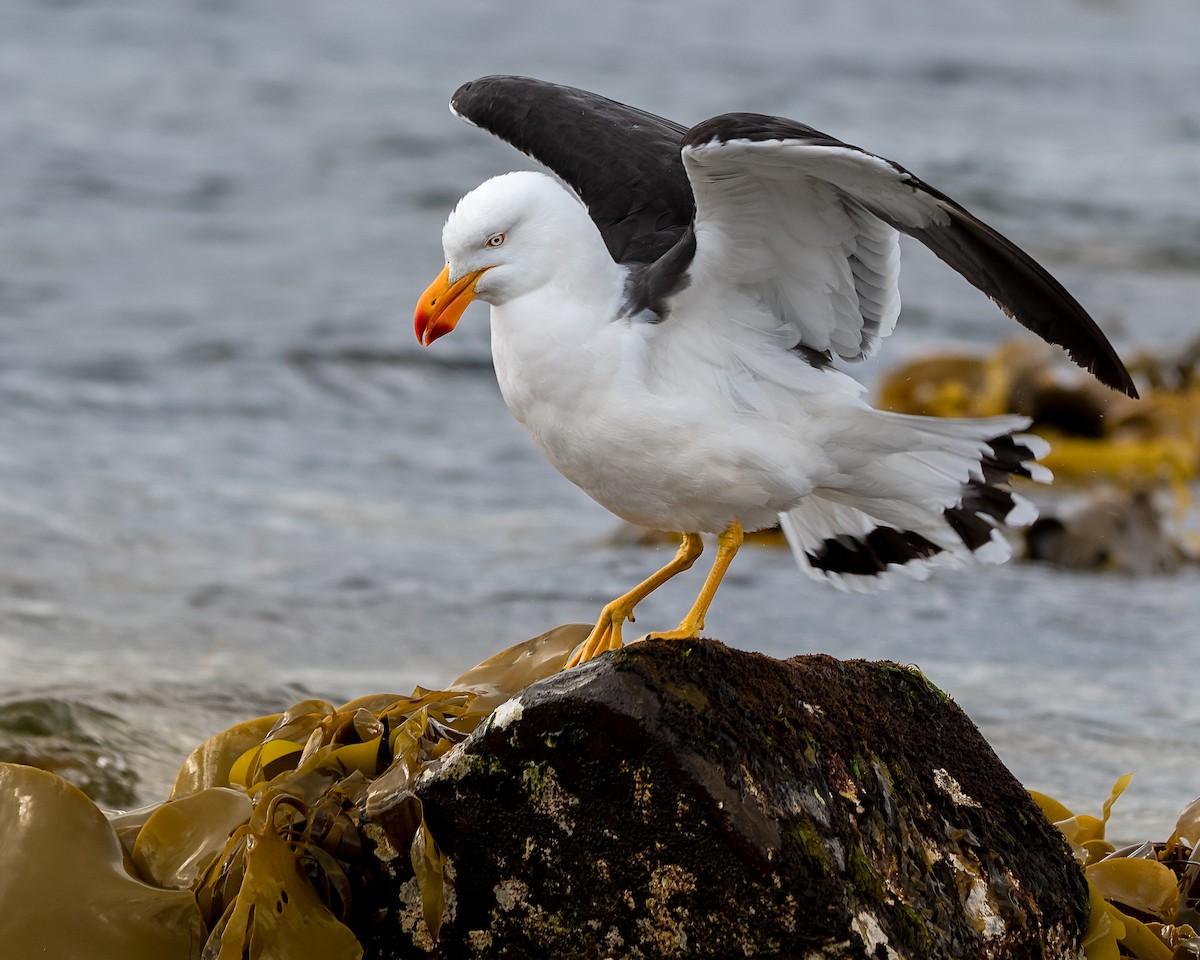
[[668, 313]]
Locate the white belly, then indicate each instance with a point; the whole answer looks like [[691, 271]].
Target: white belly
[[661, 454]]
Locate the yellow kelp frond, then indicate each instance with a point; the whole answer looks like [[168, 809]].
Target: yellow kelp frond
[[182, 837], [277, 914], [1128, 461], [1084, 832], [1138, 894], [210, 763], [1106, 928], [67, 885], [1145, 885], [262, 850]]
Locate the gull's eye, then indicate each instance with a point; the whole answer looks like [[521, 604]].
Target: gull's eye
[[495, 240]]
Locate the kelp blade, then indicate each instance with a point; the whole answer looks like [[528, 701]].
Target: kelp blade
[[63, 876]]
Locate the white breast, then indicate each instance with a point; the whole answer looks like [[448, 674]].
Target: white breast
[[644, 419]]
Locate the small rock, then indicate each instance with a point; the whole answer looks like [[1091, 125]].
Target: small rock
[[1115, 531]]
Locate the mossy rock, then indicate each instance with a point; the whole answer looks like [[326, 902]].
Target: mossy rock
[[689, 800]]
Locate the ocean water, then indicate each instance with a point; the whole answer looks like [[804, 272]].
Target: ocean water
[[229, 477]]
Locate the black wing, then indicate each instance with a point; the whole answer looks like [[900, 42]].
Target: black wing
[[623, 162]]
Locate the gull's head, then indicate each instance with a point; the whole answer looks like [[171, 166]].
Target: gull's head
[[503, 240]]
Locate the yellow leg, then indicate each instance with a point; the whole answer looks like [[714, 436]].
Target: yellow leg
[[727, 546], [606, 635]]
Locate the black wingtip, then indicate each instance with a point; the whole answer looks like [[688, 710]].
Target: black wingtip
[[1117, 378], [1022, 288], [473, 90]]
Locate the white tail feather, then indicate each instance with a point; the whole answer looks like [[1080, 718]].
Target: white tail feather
[[934, 493]]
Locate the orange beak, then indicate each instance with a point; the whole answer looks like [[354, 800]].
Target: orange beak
[[441, 306]]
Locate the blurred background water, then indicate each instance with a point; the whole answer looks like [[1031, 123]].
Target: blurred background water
[[230, 478]]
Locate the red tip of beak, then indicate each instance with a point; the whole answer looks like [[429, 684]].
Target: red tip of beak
[[442, 304]]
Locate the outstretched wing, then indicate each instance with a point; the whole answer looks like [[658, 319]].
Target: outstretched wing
[[809, 220], [811, 223], [623, 162]]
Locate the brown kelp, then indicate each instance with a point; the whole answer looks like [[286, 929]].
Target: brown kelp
[[1144, 897], [260, 850]]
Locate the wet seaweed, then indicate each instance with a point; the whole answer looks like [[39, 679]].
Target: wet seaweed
[[312, 778], [261, 849], [1144, 898]]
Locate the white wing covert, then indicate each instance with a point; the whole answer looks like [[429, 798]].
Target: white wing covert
[[812, 221], [797, 221]]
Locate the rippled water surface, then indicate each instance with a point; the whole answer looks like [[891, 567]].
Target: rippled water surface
[[228, 474]]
